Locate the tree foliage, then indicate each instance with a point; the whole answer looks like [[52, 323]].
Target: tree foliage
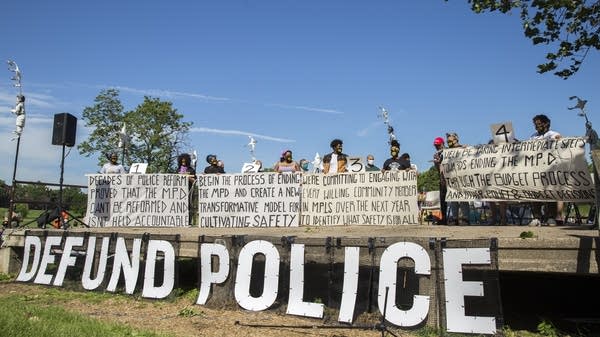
[[429, 180], [570, 27], [105, 118], [155, 129], [157, 134]]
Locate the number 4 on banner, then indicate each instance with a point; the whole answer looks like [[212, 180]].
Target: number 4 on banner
[[502, 133]]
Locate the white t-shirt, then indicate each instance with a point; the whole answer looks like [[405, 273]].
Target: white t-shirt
[[333, 165], [550, 134], [110, 168]]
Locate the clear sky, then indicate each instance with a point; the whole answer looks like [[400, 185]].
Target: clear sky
[[294, 74]]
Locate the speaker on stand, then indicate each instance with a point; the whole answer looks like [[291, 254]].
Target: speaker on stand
[[63, 133]]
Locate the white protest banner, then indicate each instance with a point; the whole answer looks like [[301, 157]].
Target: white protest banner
[[137, 200], [533, 170], [366, 198], [249, 200]]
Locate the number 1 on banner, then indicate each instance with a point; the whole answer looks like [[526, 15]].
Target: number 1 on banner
[[138, 168], [502, 133]]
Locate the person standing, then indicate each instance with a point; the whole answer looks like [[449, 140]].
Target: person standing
[[541, 123], [286, 163], [213, 166], [184, 168], [113, 166], [459, 209], [438, 144], [395, 162], [371, 163], [336, 161]]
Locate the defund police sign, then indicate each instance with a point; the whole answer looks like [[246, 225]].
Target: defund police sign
[[107, 258]]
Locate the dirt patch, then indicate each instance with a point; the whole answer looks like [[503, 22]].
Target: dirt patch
[[182, 318]]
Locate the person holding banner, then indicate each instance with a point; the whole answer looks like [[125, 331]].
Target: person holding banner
[[213, 166], [396, 163], [541, 124], [286, 163], [183, 167], [438, 144], [459, 209], [112, 167], [336, 161]]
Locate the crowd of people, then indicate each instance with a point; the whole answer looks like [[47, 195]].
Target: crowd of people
[[458, 213], [451, 213]]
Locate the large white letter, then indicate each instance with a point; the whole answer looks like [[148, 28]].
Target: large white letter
[[131, 268], [244, 271], [149, 290], [387, 279], [86, 279], [34, 242], [207, 276], [350, 287], [296, 306], [66, 259], [47, 258], [457, 289]]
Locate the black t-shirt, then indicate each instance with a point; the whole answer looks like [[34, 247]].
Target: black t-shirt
[[214, 169], [394, 164]]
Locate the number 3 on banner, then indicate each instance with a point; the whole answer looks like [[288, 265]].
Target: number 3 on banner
[[355, 165], [502, 133]]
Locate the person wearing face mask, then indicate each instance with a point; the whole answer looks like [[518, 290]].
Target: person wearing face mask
[[459, 209], [438, 144], [304, 164], [371, 164], [395, 163], [286, 163]]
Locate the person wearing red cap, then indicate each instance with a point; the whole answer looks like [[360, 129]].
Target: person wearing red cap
[[438, 143]]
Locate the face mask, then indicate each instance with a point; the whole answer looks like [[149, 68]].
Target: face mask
[[370, 161], [305, 166]]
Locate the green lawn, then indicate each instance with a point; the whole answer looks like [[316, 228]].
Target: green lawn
[[26, 316]]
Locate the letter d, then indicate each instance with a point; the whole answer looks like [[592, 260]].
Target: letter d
[[36, 243]]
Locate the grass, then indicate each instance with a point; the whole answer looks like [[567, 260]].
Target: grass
[[25, 316]]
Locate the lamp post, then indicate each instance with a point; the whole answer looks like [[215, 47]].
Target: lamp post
[[384, 114], [592, 138], [19, 110]]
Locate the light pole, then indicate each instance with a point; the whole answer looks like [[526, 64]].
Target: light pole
[[592, 138], [19, 110]]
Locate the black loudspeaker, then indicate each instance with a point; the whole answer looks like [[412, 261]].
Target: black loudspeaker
[[65, 128]]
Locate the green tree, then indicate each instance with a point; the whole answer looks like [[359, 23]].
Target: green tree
[[429, 180], [570, 27], [157, 134], [156, 131], [105, 118]]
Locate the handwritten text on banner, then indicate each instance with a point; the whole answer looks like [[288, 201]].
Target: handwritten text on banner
[[366, 198], [534, 170], [249, 200], [140, 200]]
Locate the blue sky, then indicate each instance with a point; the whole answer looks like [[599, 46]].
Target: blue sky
[[294, 74]]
